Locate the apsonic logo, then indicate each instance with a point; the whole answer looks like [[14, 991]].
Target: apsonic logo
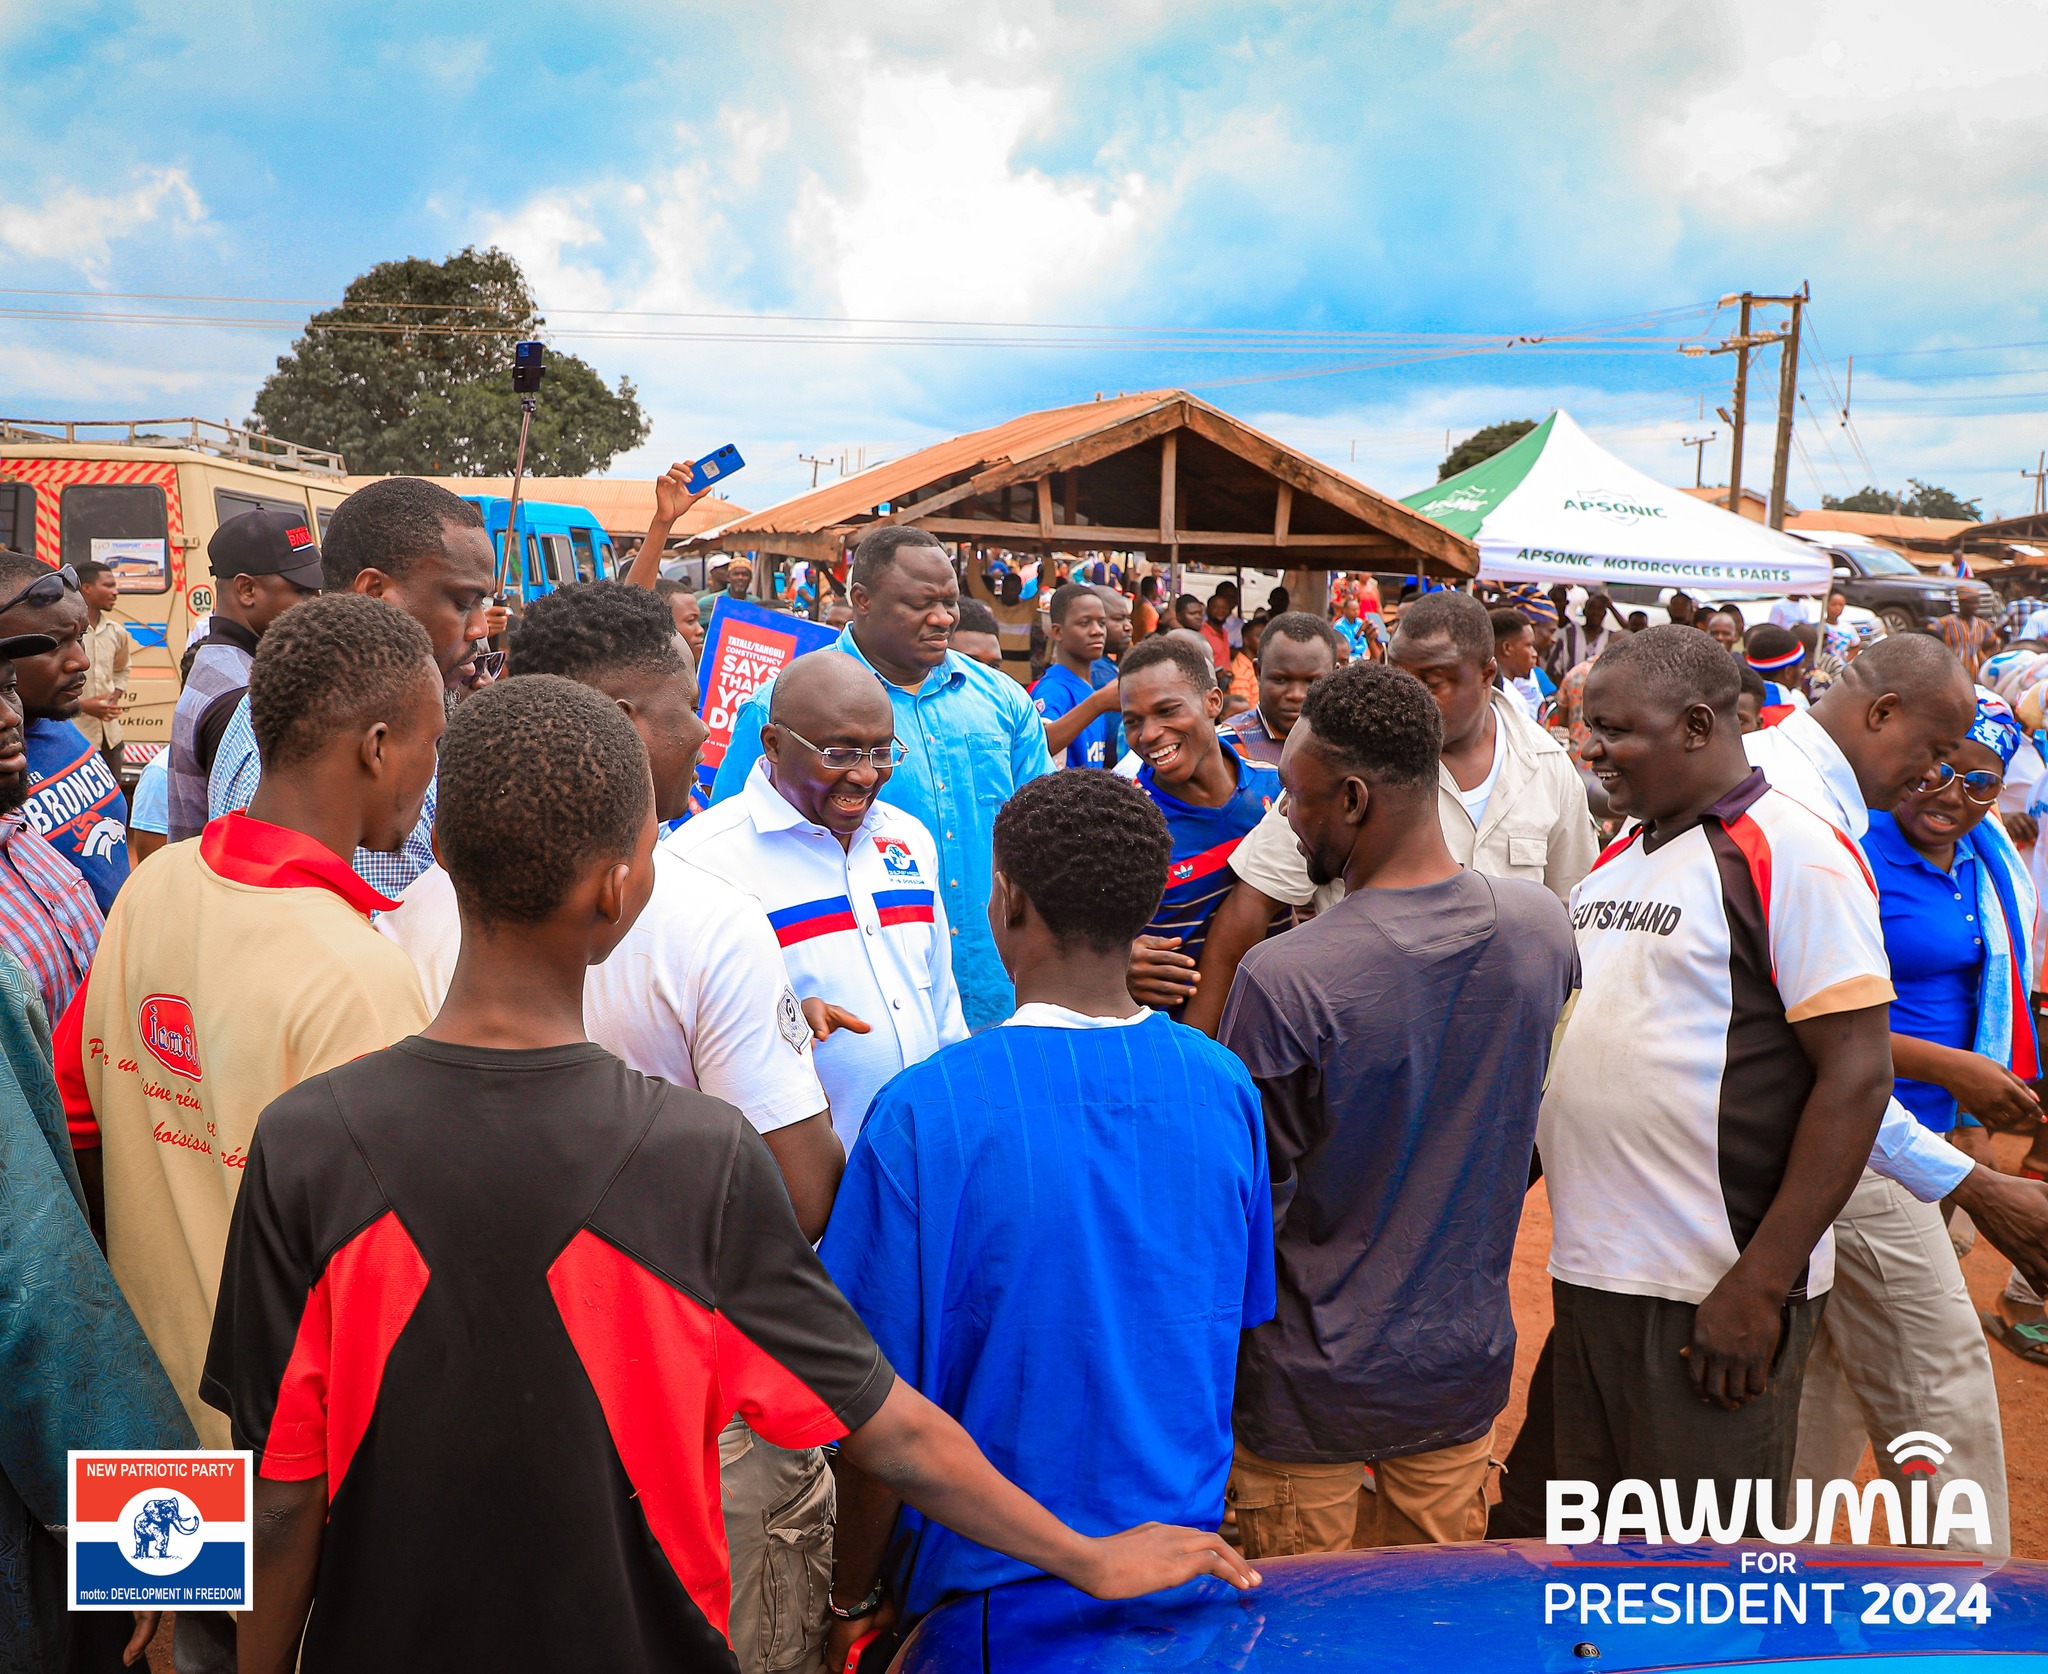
[[1637, 1510], [159, 1530], [164, 1022], [1617, 508]]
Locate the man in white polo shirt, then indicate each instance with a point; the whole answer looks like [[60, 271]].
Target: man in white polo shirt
[[846, 879], [1901, 1347]]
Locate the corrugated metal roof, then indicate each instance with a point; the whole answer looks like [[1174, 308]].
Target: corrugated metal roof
[[622, 505], [838, 503]]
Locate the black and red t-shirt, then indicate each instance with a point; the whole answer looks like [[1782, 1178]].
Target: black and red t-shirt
[[504, 1302]]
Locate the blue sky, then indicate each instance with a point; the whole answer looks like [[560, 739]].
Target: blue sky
[[1487, 167]]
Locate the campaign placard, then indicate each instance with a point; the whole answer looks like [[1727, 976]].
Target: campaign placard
[[159, 1531], [745, 647]]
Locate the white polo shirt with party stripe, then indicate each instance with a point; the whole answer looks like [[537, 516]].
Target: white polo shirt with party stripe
[[1678, 1083], [862, 926]]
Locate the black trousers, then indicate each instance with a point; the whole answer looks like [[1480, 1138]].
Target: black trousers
[[1625, 1405]]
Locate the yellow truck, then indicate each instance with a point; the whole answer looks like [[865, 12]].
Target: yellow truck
[[145, 496]]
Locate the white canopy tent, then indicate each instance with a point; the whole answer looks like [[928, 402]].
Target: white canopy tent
[[1557, 508]]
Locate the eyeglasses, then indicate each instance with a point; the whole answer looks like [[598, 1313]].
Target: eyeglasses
[[490, 664], [44, 590], [841, 758], [1981, 787]]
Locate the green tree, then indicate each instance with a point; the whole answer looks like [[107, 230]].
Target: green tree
[[1925, 500], [413, 374], [1865, 499], [1483, 444], [1928, 501]]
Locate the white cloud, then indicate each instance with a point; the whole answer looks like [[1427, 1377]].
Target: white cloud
[[80, 227]]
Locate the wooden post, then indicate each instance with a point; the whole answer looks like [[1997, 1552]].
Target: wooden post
[[1044, 487], [1169, 462], [1283, 513], [1788, 393], [1741, 409]]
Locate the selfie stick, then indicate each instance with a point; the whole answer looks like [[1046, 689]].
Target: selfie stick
[[526, 375]]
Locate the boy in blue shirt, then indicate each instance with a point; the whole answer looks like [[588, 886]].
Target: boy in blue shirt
[[1079, 711], [1211, 797], [1058, 1228]]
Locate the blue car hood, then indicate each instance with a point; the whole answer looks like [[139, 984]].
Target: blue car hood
[[1483, 1608]]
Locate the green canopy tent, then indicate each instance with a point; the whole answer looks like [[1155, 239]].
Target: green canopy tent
[[1556, 507]]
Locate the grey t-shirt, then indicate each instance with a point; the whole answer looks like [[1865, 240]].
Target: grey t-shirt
[[1398, 1041]]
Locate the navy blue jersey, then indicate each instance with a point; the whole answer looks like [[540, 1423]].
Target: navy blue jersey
[[1203, 839]]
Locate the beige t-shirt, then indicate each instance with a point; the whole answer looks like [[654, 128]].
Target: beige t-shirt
[[210, 996], [1536, 824]]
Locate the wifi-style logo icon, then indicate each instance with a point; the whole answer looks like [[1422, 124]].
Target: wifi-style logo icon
[[1918, 1452]]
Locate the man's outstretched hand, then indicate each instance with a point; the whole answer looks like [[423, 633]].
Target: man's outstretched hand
[[1155, 1556], [826, 1019], [2013, 1216]]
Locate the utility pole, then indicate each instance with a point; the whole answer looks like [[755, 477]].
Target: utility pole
[[1788, 391], [2039, 477], [1741, 407], [817, 463], [1740, 345], [1698, 444]]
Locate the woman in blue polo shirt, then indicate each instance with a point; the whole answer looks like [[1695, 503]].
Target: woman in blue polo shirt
[[1958, 913]]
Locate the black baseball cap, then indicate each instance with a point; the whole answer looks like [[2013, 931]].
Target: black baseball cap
[[25, 645], [266, 543]]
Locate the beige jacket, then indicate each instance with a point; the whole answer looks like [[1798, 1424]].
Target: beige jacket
[[1537, 825]]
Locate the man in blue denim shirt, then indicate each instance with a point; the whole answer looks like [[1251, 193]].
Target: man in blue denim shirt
[[970, 735]]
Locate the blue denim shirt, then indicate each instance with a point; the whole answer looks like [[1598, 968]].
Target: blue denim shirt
[[971, 737]]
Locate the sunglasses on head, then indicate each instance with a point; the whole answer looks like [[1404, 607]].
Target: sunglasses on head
[[44, 590], [1981, 787]]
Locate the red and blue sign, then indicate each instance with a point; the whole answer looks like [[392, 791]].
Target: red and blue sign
[[160, 1531]]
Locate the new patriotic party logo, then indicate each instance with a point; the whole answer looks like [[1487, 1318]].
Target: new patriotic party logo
[[159, 1531], [897, 860]]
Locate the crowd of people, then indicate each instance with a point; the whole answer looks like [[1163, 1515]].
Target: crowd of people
[[1065, 1107]]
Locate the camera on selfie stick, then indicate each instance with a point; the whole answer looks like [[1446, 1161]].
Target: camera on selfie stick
[[529, 362]]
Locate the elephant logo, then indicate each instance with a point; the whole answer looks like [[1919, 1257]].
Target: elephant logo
[[161, 1524]]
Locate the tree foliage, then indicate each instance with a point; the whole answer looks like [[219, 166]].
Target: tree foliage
[[1482, 445], [1924, 500], [413, 374]]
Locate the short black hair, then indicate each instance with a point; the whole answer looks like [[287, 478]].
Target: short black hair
[[667, 587], [878, 550], [1752, 682], [1067, 595], [1447, 614], [1918, 667], [91, 570], [341, 668], [976, 618], [390, 525], [1379, 721], [1506, 623], [18, 569], [1089, 851], [540, 776], [582, 632], [1303, 629], [1186, 598], [1680, 664], [1193, 662]]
